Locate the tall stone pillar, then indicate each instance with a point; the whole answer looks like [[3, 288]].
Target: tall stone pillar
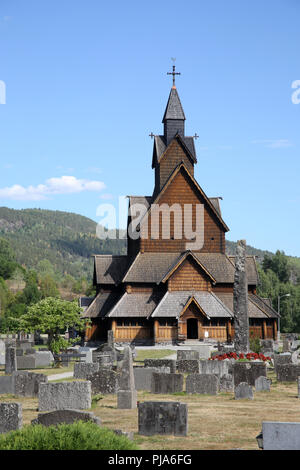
[[127, 396], [240, 300]]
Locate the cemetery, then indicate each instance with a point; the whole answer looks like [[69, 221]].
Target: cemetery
[[173, 399]]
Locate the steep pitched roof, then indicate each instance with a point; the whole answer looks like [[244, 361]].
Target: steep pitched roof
[[151, 267], [256, 307], [174, 109], [180, 167], [160, 147], [109, 269], [136, 304], [180, 260], [173, 304], [101, 305]]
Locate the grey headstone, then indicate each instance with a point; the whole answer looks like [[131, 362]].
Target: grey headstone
[[158, 417], [202, 383], [127, 399], [56, 417], [82, 370], [161, 363], [110, 338], [6, 385], [143, 376], [216, 367], [279, 359], [187, 355], [267, 345], [281, 435], [43, 359], [2, 352], [166, 383], [248, 372], [188, 366], [10, 360], [126, 379], [286, 345], [204, 350], [288, 372], [226, 383], [10, 417], [243, 390], [104, 381], [64, 395], [262, 384], [26, 384], [240, 300], [26, 362]]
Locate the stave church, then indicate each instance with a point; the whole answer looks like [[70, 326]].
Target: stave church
[[171, 289]]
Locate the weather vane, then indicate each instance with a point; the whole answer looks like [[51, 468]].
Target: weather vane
[[173, 72]]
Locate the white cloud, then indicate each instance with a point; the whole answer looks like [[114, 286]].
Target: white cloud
[[274, 144], [52, 186]]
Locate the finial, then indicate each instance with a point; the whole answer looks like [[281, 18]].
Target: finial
[[173, 72]]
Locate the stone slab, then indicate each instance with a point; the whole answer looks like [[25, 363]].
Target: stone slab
[[6, 385], [56, 417], [189, 366], [207, 384], [262, 384], [166, 383], [82, 369], [105, 381], [214, 367], [26, 384], [248, 372], [281, 435], [288, 372], [161, 363], [10, 417], [26, 362], [127, 399], [143, 376], [64, 395], [243, 391], [187, 355], [157, 417]]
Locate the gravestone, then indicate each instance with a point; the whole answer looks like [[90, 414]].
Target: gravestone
[[202, 383], [126, 395], [166, 383], [161, 363], [286, 345], [10, 360], [158, 417], [110, 338], [281, 435], [64, 395], [240, 300], [190, 366], [267, 345], [88, 352], [26, 362], [288, 372], [187, 355], [26, 384], [204, 350], [279, 359], [53, 418], [10, 417], [243, 390], [104, 360], [262, 384], [104, 381], [6, 385], [216, 367], [43, 359], [226, 383], [248, 372], [2, 352], [143, 376], [82, 370]]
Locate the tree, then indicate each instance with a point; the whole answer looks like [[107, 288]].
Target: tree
[[278, 264], [7, 259], [48, 287], [51, 316]]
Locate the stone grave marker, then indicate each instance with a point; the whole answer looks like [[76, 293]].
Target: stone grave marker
[[10, 417], [53, 418], [10, 360], [243, 390], [262, 384], [166, 383], [64, 395], [158, 417], [127, 395], [202, 383]]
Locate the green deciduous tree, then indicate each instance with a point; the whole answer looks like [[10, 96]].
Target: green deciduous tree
[[51, 316]]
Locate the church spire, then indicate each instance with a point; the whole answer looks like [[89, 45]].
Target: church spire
[[174, 117]]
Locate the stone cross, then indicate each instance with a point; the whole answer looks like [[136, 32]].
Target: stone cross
[[240, 300]]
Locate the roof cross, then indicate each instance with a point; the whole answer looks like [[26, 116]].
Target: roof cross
[[196, 136], [173, 73], [151, 135]]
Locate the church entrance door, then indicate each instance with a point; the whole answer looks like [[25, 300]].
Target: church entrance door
[[192, 328]]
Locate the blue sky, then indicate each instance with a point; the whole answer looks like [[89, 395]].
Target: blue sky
[[86, 83]]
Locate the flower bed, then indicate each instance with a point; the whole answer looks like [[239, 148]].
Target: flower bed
[[241, 356]]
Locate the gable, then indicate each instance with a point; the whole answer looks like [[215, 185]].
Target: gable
[[189, 276], [182, 189]]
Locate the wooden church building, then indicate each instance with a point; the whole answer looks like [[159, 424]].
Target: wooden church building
[[169, 289]]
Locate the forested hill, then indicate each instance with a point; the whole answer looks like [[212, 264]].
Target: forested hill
[[67, 240]]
